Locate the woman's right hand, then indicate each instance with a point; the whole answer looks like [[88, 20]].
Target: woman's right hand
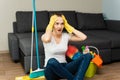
[[51, 22]]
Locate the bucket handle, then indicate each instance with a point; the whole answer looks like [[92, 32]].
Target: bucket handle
[[94, 48]]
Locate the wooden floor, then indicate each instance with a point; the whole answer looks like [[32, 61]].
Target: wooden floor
[[9, 70]]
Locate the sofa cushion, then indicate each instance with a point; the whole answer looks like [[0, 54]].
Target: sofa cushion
[[115, 54], [70, 16], [90, 21], [108, 35], [24, 21], [23, 35], [25, 44], [105, 55]]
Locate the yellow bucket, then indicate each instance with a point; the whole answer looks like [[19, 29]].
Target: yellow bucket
[[92, 68]]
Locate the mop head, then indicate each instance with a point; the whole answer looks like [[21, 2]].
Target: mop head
[[28, 78], [37, 73]]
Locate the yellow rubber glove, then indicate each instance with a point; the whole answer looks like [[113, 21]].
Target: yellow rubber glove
[[68, 27], [51, 22]]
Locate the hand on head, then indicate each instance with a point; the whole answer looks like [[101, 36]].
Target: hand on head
[[68, 27], [53, 18], [64, 19]]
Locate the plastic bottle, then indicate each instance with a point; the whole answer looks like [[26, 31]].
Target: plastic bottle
[[86, 50]]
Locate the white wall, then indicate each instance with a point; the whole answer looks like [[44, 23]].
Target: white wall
[[111, 9], [9, 7]]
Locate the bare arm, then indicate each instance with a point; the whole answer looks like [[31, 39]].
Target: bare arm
[[46, 37], [77, 36]]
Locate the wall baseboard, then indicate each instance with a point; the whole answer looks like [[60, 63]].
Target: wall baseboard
[[3, 52]]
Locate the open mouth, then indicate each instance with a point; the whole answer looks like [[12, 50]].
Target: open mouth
[[59, 30]]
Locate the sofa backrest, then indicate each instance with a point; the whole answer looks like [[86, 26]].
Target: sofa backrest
[[24, 21], [90, 21], [113, 25], [79, 20]]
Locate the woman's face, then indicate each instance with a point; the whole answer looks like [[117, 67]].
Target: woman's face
[[58, 25]]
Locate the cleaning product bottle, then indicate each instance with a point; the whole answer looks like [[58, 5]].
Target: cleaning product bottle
[[86, 50]]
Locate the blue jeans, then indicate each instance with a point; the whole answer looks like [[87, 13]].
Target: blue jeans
[[74, 70]]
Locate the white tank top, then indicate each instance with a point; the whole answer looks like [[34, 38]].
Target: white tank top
[[57, 51]]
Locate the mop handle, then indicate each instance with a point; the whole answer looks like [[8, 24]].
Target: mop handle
[[36, 36], [32, 40]]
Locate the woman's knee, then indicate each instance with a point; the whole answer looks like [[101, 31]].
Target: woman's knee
[[50, 64], [52, 61]]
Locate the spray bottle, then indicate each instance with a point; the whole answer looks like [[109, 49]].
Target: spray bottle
[[86, 50]]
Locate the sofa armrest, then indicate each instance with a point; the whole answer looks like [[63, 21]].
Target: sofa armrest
[[113, 25], [13, 46], [15, 27]]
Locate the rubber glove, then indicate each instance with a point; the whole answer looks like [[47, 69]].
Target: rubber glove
[[68, 27], [51, 22]]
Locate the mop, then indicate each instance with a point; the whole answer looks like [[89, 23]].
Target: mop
[[38, 72], [27, 77]]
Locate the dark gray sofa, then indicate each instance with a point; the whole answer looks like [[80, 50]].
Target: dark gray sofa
[[104, 34]]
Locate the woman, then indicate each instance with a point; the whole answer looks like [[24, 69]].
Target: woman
[[55, 43]]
